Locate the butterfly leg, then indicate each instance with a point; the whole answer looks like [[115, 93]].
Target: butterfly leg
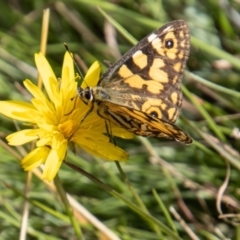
[[109, 132], [74, 105], [109, 64], [87, 113]]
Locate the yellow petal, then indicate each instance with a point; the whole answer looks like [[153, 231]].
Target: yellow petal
[[38, 94], [22, 111], [58, 140], [106, 151], [88, 136], [68, 74], [23, 136], [98, 144], [92, 77], [48, 77], [122, 133], [54, 162], [35, 158], [47, 127], [44, 141], [46, 115]]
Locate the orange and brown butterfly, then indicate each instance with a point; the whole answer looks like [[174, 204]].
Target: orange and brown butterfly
[[141, 92]]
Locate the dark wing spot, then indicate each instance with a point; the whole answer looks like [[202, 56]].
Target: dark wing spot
[[169, 43], [154, 114]]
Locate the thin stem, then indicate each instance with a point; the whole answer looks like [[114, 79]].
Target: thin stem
[[68, 208]]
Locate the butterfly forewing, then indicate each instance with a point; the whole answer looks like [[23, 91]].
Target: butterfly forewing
[[148, 77]]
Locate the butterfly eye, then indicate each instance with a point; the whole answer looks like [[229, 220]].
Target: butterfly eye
[[169, 43], [88, 95], [154, 114]]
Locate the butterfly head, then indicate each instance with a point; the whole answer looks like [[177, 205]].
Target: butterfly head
[[90, 94]]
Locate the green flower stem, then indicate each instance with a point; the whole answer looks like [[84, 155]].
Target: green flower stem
[[68, 208]]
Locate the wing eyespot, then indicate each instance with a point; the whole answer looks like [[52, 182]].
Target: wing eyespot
[[154, 114], [169, 43]]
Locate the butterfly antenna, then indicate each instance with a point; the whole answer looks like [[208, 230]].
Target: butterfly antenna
[[78, 69]]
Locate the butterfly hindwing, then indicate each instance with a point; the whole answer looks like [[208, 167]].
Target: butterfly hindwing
[[141, 123]]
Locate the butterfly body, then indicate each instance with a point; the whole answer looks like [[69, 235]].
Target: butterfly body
[[141, 92]]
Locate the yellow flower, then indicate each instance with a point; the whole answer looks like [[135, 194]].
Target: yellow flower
[[56, 120]]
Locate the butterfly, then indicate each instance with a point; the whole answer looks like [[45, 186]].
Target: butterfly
[[141, 92]]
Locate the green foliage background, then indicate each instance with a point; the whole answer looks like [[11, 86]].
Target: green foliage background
[[184, 177]]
